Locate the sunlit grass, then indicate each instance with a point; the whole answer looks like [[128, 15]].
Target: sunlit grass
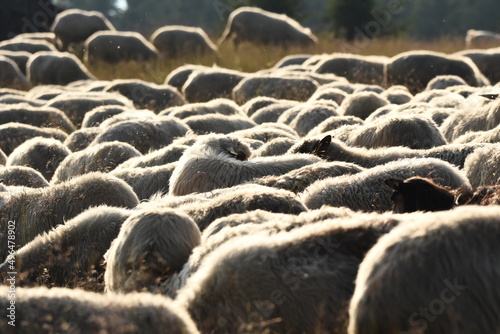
[[250, 58]]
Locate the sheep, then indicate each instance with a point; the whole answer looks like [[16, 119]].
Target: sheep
[[3, 158], [128, 115], [331, 94], [481, 39], [147, 181], [228, 156], [60, 310], [152, 245], [11, 76], [397, 95], [209, 84], [300, 281], [74, 26], [335, 150], [175, 41], [178, 77], [483, 166], [460, 249], [99, 158], [366, 191], [97, 115], [255, 104], [296, 88], [22, 176], [45, 117], [162, 156], [76, 104], [299, 179], [426, 65], [489, 136], [81, 139], [215, 123], [290, 60], [256, 25], [413, 131], [14, 134], [274, 147], [272, 112], [486, 61], [146, 95], [56, 68], [482, 118], [71, 255], [27, 45], [216, 106], [38, 210], [44, 36], [445, 81], [333, 123], [362, 104], [146, 135], [41, 154], [355, 68], [12, 99], [118, 46], [311, 115]]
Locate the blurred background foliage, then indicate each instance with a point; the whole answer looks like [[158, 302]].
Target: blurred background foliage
[[422, 19]]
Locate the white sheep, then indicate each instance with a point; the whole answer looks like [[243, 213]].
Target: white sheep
[[483, 166], [221, 161]]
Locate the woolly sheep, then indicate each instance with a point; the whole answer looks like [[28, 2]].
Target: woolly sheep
[[81, 139], [426, 65], [272, 112], [162, 156], [362, 104], [38, 210], [37, 116], [311, 115], [215, 123], [75, 26], [297, 88], [61, 310], [75, 105], [355, 68], [276, 146], [486, 61], [299, 179], [99, 158], [22, 176], [146, 95], [27, 45], [333, 123], [481, 39], [71, 255], [255, 104], [118, 46], [332, 94], [151, 246], [44, 36], [97, 115], [489, 136], [209, 84], [458, 248], [56, 68], [178, 77], [397, 95], [12, 99], [290, 60], [146, 135], [11, 76], [257, 25], [299, 281], [175, 40], [146, 181], [483, 166], [216, 106], [335, 150], [366, 190], [445, 81], [267, 131], [14, 134], [3, 158], [41, 154], [221, 161], [128, 115]]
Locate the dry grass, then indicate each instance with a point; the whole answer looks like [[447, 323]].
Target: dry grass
[[251, 58]]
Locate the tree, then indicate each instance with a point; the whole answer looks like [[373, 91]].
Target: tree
[[348, 16]]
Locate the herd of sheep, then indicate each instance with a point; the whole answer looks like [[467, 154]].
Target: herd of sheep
[[298, 199]]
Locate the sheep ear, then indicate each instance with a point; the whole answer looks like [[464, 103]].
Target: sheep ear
[[393, 183], [322, 146]]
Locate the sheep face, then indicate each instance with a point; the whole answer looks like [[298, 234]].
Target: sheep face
[[227, 146]]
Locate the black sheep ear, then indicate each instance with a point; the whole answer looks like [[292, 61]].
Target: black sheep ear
[[392, 183], [322, 146]]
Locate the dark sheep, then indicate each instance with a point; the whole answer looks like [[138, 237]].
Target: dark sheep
[[179, 76], [216, 123], [38, 210], [14, 134], [11, 76], [81, 139], [460, 248], [175, 41], [291, 60], [18, 57], [487, 61], [96, 116], [44, 117], [362, 104], [146, 95], [70, 255], [27, 45], [41, 154], [22, 176], [162, 156], [333, 123], [59, 310], [146, 135], [216, 106], [209, 84]]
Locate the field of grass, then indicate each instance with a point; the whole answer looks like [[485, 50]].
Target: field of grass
[[251, 58]]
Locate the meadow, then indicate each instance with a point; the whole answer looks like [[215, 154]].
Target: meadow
[[249, 58]]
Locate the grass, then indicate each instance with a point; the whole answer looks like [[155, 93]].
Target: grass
[[251, 58]]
